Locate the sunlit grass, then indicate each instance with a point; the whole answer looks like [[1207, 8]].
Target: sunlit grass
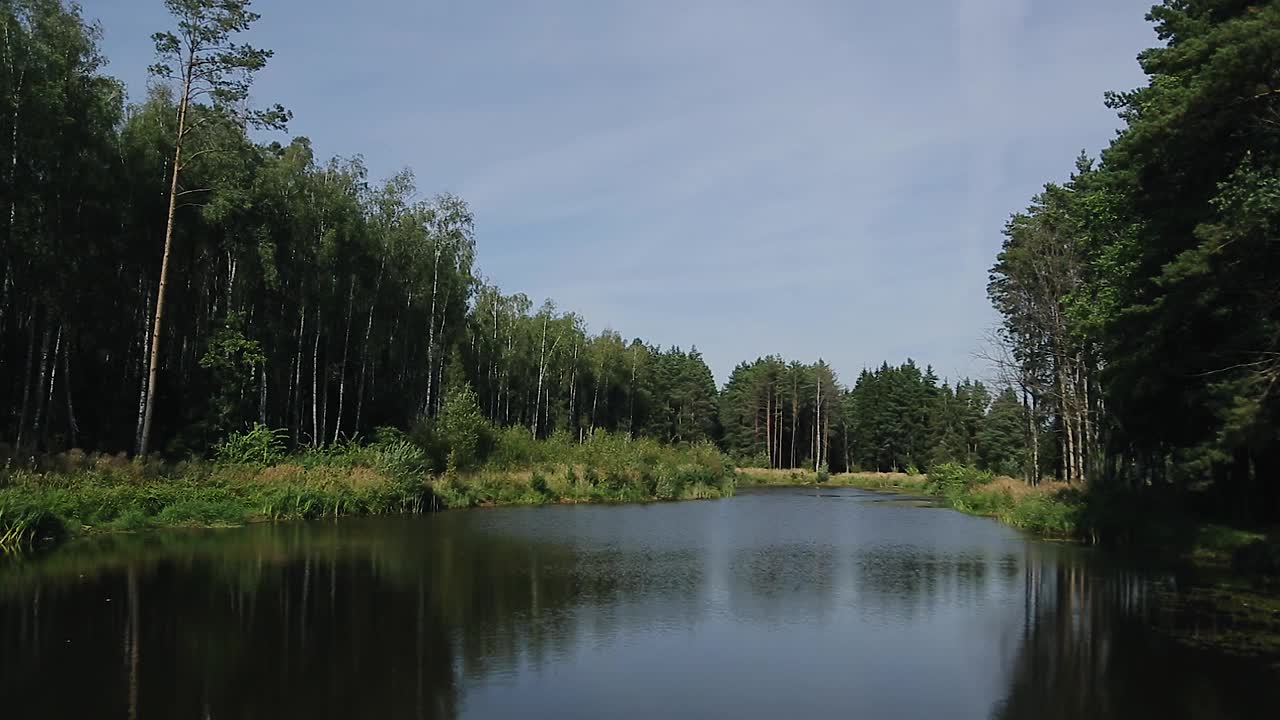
[[77, 493]]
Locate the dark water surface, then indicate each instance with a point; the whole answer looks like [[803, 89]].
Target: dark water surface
[[775, 603]]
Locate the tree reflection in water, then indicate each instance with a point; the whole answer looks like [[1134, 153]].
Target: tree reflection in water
[[869, 610]]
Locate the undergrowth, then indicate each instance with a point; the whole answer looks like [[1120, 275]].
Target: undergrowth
[[251, 477]]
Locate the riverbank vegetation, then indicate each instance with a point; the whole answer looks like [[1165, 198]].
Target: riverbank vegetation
[[1141, 321], [253, 478], [1136, 362], [1059, 510], [1051, 509]]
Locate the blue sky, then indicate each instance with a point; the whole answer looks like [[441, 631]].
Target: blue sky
[[810, 178]]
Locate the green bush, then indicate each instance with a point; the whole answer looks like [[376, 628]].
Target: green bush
[[23, 523], [951, 480], [514, 447], [462, 428], [259, 445], [400, 458], [1056, 514], [538, 483], [982, 502]]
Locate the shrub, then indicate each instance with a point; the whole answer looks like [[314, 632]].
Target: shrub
[[950, 480], [259, 445], [538, 483], [22, 524], [401, 459], [1056, 514], [514, 447], [462, 428]]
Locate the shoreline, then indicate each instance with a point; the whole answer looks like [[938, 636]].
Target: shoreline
[[42, 509], [1052, 511]]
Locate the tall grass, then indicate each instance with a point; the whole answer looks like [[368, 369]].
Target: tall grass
[[250, 478], [85, 493], [900, 482], [1051, 511], [604, 467]]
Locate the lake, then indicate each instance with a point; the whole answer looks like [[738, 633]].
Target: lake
[[784, 602]]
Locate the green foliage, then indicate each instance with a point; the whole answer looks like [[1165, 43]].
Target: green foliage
[[23, 523], [1048, 514], [462, 428], [1138, 297], [538, 483], [232, 361], [514, 448], [1001, 439], [951, 480], [131, 496], [259, 445], [607, 467]]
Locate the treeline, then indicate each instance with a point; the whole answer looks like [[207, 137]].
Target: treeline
[[1141, 297], [299, 294], [783, 414], [166, 280]]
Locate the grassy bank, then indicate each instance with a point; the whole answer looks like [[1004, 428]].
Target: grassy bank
[[251, 480], [1047, 510], [604, 468], [1069, 512]]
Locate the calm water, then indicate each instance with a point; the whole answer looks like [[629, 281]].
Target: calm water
[[779, 603]]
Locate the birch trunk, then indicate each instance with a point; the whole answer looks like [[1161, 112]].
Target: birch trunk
[[153, 367], [316, 439], [342, 373], [431, 323], [573, 390], [817, 424], [768, 425], [542, 355], [41, 429], [795, 417], [297, 377], [142, 370]]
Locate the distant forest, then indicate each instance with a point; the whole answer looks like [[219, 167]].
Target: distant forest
[[165, 280]]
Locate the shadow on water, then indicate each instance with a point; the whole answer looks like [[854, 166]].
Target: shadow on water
[[1116, 643], [746, 607]]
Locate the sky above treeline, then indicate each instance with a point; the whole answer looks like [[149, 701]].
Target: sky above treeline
[[807, 178]]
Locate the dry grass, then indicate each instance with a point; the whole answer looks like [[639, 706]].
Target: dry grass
[[804, 476], [879, 477], [1020, 489]]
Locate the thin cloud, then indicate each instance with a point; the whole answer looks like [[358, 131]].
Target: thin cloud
[[819, 179]]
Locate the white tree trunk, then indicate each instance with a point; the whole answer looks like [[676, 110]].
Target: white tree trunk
[[158, 325], [342, 374]]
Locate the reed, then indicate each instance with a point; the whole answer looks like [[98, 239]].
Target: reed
[[252, 480]]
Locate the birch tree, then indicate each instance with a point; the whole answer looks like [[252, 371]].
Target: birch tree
[[212, 74]]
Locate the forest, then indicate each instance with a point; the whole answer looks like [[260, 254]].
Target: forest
[[168, 279], [300, 294], [1141, 295]]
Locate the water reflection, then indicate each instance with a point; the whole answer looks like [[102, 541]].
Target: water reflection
[[764, 604], [1100, 643]]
